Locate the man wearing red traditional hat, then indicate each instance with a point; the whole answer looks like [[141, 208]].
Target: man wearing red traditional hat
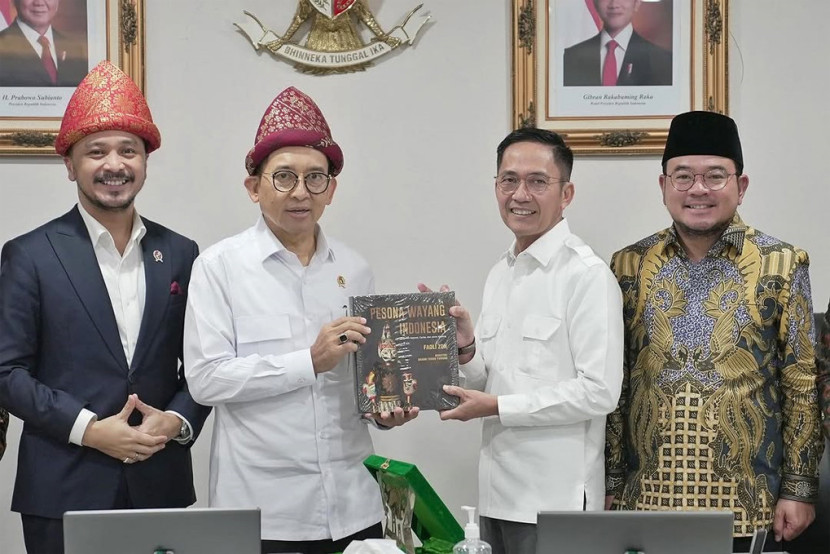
[[267, 344], [91, 318], [718, 409]]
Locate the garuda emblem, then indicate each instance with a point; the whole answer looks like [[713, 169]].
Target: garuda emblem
[[334, 43]]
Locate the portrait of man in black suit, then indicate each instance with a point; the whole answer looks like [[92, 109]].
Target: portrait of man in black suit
[[35, 54], [617, 55]]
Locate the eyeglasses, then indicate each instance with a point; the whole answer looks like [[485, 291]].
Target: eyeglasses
[[714, 179], [536, 184], [284, 180]]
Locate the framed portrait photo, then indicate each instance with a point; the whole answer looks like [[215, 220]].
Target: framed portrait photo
[[609, 75], [46, 48]]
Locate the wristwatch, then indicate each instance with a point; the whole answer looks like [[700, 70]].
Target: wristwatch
[[469, 349], [184, 433]]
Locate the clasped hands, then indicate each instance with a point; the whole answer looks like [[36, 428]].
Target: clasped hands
[[115, 437]]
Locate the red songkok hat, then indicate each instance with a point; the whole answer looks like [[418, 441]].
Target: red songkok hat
[[293, 119], [106, 100]]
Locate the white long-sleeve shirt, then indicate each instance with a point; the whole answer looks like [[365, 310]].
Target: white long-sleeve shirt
[[285, 440], [550, 346], [124, 278]]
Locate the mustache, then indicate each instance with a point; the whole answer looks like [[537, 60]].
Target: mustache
[[110, 175]]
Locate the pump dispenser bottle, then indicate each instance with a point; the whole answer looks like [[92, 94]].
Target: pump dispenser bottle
[[471, 544]]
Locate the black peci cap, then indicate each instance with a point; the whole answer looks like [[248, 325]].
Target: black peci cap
[[702, 133]]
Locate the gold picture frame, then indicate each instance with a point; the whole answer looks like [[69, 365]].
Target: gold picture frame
[[591, 125], [115, 31]]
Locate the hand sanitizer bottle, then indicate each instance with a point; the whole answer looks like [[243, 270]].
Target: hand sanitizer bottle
[[471, 544]]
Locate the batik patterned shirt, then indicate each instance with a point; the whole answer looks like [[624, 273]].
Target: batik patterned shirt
[[718, 409], [823, 365]]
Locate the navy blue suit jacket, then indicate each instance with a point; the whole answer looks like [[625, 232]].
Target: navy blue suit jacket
[[4, 425], [644, 64], [20, 65], [60, 351]]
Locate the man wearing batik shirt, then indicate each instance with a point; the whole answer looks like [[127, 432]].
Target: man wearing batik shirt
[[718, 409], [823, 365]]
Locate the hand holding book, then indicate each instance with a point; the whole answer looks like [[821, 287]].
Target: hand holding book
[[474, 404], [465, 329], [396, 417], [337, 339]]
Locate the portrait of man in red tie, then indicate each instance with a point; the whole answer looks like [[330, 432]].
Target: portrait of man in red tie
[[617, 55], [33, 52]]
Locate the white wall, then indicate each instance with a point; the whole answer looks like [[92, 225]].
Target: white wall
[[419, 132]]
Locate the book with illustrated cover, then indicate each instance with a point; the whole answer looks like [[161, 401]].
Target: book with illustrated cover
[[410, 354]]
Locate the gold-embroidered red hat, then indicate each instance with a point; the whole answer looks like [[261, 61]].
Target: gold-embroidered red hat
[[106, 100], [293, 119]]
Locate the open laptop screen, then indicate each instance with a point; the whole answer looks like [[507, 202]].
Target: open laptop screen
[[615, 532], [180, 531]]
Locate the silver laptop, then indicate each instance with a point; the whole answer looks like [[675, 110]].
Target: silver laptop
[[177, 531], [616, 532]]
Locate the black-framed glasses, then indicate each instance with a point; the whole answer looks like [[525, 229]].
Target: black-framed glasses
[[536, 184], [714, 179], [284, 180]]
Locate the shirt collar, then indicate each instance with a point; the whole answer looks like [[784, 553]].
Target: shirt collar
[[268, 244], [622, 38], [97, 231], [543, 248], [32, 35], [733, 236]]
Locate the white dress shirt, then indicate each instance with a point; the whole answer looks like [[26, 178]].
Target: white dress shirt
[[550, 346], [284, 439], [124, 278], [622, 39]]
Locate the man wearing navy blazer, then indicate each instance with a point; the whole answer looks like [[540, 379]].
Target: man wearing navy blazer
[[635, 60], [91, 320], [29, 38], [4, 426]]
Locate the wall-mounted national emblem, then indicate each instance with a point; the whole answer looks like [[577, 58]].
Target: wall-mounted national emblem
[[334, 43]]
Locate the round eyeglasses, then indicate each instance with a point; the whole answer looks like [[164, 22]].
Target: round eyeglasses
[[536, 184], [284, 180], [714, 179]]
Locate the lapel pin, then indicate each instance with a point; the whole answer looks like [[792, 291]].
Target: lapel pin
[[158, 256], [341, 281]]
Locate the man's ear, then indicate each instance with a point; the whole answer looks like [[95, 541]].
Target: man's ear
[[743, 184], [252, 183], [331, 189], [70, 167], [663, 185], [567, 194]]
